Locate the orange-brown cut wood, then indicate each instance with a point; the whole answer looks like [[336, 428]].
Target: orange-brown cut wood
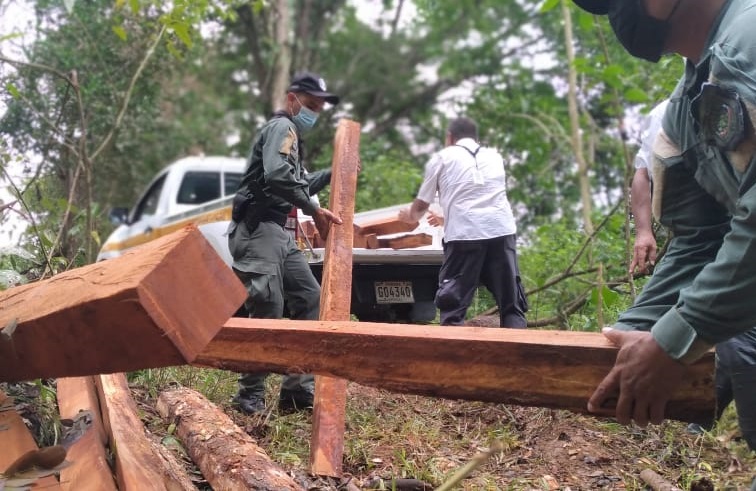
[[15, 441], [329, 409], [157, 305], [228, 458], [557, 369], [140, 463], [89, 469]]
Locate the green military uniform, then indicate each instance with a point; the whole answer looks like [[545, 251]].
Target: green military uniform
[[702, 291], [265, 256]]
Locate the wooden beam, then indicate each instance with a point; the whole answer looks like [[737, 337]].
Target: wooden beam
[[139, 463], [557, 369], [15, 441], [386, 226], [406, 241], [329, 409], [157, 305], [228, 458], [89, 469]]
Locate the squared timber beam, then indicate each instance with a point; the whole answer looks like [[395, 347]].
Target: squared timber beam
[[157, 305], [556, 369]]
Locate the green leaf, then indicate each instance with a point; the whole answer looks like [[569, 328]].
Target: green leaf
[[134, 4], [13, 91], [548, 5], [634, 94], [120, 32], [182, 31]]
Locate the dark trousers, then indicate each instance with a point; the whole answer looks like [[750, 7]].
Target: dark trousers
[[736, 381], [490, 262]]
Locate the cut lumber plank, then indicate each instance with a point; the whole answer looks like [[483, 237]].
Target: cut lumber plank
[[329, 408], [89, 469], [15, 441], [228, 458], [139, 463], [386, 226], [557, 369], [157, 305], [406, 241]]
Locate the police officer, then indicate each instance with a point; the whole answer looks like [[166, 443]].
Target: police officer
[[701, 293], [266, 257]]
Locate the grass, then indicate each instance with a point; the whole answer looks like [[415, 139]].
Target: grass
[[404, 436]]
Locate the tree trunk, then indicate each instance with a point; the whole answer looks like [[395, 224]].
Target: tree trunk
[[228, 458]]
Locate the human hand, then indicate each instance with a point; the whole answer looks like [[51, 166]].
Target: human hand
[[435, 220], [323, 219], [644, 253], [643, 375]]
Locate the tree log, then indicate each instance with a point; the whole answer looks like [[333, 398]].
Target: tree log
[[139, 463], [557, 369], [89, 469], [228, 458], [157, 305], [15, 441], [329, 409]]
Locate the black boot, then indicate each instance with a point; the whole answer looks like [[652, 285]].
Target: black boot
[[290, 401], [250, 403]]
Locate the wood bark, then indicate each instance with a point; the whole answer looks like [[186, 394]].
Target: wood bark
[[15, 441], [157, 305], [89, 469], [329, 409], [228, 458], [557, 369], [139, 462]]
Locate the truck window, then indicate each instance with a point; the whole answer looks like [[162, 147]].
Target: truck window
[[149, 202], [231, 182], [199, 187]]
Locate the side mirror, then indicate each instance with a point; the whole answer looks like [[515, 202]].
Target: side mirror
[[118, 215]]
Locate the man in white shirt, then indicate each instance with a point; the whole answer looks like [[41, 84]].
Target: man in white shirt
[[644, 250], [479, 228]]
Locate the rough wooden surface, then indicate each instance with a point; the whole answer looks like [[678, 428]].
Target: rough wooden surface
[[228, 458], [557, 369], [157, 305], [15, 441], [329, 409], [89, 469], [386, 226], [139, 463], [406, 241]]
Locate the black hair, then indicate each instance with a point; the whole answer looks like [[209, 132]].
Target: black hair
[[463, 128]]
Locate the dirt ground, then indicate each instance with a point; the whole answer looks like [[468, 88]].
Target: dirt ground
[[422, 441]]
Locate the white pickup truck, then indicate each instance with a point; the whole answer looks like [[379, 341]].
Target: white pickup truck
[[387, 285]]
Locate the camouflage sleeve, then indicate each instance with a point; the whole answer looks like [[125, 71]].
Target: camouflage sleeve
[[282, 166]]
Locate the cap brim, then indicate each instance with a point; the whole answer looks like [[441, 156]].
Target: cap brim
[[596, 7], [329, 98]]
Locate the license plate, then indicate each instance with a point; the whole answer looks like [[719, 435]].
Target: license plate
[[394, 292]]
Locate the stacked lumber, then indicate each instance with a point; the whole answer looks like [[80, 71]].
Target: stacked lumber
[[387, 232], [148, 308]]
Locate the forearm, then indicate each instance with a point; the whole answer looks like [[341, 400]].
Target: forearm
[[417, 209], [640, 202]]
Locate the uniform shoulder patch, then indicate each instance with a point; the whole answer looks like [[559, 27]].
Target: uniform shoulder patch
[[288, 143]]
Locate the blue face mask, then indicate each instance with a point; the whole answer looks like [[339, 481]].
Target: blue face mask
[[305, 119]]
